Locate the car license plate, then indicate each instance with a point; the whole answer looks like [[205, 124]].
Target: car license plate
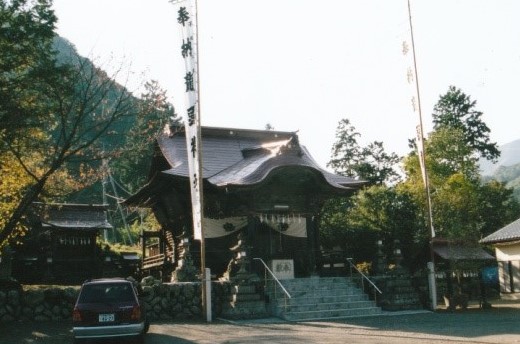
[[106, 317]]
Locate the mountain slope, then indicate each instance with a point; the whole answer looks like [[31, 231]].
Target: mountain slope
[[510, 156], [506, 169]]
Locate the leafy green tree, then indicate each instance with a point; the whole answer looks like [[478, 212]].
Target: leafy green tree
[[376, 166], [335, 228], [497, 206], [346, 150], [447, 153], [77, 113], [462, 206], [26, 61], [369, 163], [154, 113], [389, 212], [456, 110], [375, 213]]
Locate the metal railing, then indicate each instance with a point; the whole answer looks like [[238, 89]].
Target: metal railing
[[287, 295], [363, 279]]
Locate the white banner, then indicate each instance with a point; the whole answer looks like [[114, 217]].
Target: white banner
[[216, 228], [186, 20], [286, 225], [420, 152]]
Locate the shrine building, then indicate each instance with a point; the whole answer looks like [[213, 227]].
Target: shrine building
[[262, 195]]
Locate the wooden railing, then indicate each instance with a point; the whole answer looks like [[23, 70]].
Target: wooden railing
[[153, 261]]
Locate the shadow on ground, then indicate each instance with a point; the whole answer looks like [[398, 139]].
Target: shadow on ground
[[470, 323]]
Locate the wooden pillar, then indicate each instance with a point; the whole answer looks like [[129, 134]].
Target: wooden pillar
[[312, 244]]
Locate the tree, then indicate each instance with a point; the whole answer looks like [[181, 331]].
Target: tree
[[462, 206], [27, 60], [376, 166], [375, 213], [369, 163], [448, 153], [153, 114], [345, 151], [456, 110], [77, 114], [498, 206]]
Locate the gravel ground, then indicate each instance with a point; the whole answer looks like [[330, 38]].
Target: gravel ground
[[501, 324]]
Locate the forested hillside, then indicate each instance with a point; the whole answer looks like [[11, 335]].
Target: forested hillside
[[507, 168], [63, 119], [131, 138]]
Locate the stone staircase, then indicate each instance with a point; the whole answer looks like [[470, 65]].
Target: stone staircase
[[320, 298]]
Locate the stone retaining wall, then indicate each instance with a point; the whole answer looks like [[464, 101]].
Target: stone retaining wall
[[41, 304], [181, 300], [161, 301]]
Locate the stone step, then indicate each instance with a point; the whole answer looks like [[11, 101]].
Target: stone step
[[301, 284], [331, 298], [330, 314], [321, 298], [317, 281], [327, 289], [309, 307]]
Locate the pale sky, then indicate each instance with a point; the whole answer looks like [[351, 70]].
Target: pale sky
[[304, 65]]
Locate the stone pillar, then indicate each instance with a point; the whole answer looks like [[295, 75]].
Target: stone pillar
[[379, 266]]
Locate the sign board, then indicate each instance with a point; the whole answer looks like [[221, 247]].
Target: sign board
[[282, 268]]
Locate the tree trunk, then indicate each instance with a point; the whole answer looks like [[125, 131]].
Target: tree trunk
[[30, 196]]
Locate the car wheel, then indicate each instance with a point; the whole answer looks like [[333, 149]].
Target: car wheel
[[139, 339]]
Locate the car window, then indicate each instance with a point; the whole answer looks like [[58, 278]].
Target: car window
[[107, 292]]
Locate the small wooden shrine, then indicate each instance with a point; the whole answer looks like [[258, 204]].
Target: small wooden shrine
[[262, 192], [61, 243]]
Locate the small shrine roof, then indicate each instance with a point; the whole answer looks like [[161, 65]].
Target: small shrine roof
[[458, 250], [72, 216]]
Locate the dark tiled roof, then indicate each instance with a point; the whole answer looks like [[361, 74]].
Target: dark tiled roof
[[511, 232], [73, 216], [460, 252], [244, 157]]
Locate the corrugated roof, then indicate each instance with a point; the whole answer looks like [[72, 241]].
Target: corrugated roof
[[511, 232]]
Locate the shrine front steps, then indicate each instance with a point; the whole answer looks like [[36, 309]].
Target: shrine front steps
[[319, 299]]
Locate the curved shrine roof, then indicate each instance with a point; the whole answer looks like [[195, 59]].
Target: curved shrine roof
[[242, 157]]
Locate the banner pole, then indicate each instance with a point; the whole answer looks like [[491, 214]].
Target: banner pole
[[422, 161]]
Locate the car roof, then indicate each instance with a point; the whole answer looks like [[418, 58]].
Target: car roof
[[106, 280]]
